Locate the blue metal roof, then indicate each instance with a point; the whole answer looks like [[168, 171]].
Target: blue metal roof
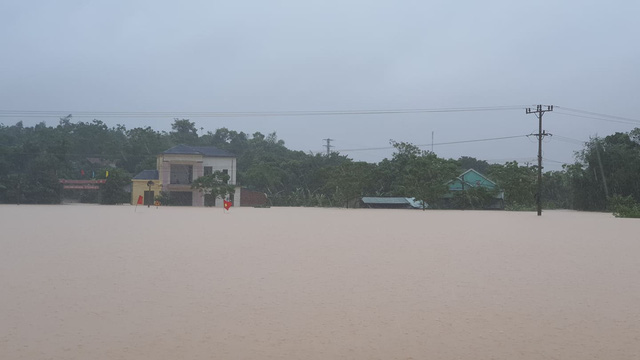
[[147, 175], [384, 200], [393, 201], [209, 151]]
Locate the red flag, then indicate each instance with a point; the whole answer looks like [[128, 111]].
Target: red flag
[[140, 200], [82, 172], [227, 204]]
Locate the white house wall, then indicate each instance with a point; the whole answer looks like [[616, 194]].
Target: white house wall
[[222, 163], [198, 162]]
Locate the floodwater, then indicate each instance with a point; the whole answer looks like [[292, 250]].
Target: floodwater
[[116, 282]]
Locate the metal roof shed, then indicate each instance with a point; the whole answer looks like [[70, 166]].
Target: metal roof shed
[[391, 203]]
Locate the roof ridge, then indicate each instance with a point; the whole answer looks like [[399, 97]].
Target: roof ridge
[[207, 151]]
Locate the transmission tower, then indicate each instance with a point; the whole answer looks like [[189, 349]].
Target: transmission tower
[[329, 146]]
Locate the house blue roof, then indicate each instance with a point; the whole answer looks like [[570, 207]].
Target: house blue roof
[[470, 179], [147, 175], [209, 151]]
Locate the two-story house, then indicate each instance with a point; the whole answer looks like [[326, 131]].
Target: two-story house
[[176, 170]]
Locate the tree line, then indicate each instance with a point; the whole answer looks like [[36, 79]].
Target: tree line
[[33, 159]]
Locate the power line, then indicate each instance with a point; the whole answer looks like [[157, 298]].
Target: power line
[[524, 160], [190, 114], [433, 144], [286, 113], [569, 140], [600, 115], [555, 161], [630, 121], [340, 150]]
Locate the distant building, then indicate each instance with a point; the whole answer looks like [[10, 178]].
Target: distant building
[[492, 198], [390, 203], [471, 179], [145, 184], [177, 168], [253, 198]]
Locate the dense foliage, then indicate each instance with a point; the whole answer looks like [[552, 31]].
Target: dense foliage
[[624, 207], [33, 159], [213, 186]]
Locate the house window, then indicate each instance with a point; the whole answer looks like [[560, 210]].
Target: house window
[[181, 174], [208, 170]]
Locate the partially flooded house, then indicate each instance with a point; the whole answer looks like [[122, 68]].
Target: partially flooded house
[[177, 168], [473, 187]]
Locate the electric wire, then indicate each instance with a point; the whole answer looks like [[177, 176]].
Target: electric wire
[[600, 115], [629, 121], [554, 161], [339, 150], [210, 114], [569, 140], [436, 144]]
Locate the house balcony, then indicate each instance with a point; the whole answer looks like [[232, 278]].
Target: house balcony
[[181, 175]]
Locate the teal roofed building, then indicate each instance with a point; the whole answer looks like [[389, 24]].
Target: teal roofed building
[[472, 188]]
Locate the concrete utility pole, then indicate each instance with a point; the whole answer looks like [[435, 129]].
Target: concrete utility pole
[[604, 179], [329, 146], [541, 134]]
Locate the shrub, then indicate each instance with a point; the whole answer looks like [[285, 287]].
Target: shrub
[[164, 198], [625, 207]]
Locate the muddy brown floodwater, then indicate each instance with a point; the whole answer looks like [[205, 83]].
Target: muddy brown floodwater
[[105, 282]]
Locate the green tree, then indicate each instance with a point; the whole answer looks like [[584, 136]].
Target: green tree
[[518, 183], [349, 181], [142, 147], [223, 138], [184, 132], [467, 162], [606, 167], [421, 174], [478, 197], [625, 207], [12, 188], [114, 190], [214, 185], [556, 190], [425, 179]]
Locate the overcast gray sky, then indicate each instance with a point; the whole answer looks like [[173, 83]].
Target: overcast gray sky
[[237, 56]]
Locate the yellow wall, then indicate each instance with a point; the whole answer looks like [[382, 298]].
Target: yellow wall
[[140, 186]]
